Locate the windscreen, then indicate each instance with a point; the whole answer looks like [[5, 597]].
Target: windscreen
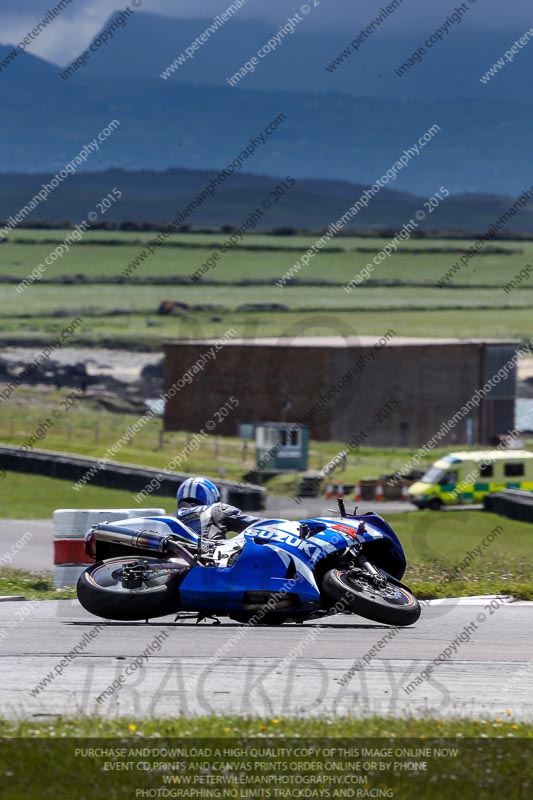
[[433, 475]]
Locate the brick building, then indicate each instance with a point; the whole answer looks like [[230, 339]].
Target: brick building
[[391, 391]]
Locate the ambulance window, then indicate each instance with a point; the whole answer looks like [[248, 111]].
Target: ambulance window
[[433, 475], [486, 470], [448, 477], [514, 469]]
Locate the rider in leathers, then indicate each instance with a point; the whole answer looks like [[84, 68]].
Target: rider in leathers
[[199, 507]]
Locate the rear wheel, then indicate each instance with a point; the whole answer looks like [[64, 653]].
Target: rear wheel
[[377, 600], [130, 589]]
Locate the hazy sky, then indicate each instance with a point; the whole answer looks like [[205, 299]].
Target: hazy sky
[[83, 18]]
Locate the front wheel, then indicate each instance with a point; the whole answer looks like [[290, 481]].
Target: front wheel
[[130, 588], [377, 600], [435, 504]]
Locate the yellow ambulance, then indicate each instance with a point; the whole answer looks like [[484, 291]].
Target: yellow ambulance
[[466, 477]]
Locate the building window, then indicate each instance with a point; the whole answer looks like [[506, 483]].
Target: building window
[[486, 470], [289, 437], [514, 469]]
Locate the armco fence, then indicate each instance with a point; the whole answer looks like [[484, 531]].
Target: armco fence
[[116, 475], [511, 503]]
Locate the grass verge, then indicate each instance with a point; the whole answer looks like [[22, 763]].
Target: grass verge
[[463, 553], [32, 585], [231, 727]]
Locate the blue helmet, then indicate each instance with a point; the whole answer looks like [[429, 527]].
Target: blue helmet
[[198, 490]]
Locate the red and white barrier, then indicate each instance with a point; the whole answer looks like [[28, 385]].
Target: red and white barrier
[[357, 497], [70, 527], [329, 491], [380, 494]]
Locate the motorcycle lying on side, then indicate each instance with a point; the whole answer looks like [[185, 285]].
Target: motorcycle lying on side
[[275, 571]]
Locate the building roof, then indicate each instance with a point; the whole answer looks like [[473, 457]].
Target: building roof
[[488, 455], [343, 342]]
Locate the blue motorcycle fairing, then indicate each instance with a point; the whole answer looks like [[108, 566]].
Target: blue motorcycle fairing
[[274, 558], [258, 568], [165, 525], [383, 547], [379, 540], [286, 535]]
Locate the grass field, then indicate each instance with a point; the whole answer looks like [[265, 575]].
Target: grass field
[[103, 254], [88, 429], [43, 300], [400, 293], [149, 331], [36, 497]]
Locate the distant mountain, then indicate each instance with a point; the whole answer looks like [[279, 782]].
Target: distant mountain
[[148, 43], [311, 204], [482, 146], [195, 120], [24, 66]]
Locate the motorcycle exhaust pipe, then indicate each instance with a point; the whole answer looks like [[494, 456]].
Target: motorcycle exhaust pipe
[[140, 540]]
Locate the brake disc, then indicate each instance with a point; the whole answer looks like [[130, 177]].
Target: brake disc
[[359, 577]]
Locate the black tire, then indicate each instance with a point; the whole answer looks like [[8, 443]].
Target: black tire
[[100, 591], [393, 606], [435, 504]]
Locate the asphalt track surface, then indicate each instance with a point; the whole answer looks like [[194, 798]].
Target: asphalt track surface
[[303, 670]]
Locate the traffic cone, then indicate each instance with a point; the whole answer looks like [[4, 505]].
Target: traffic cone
[[329, 491], [379, 495], [405, 494], [357, 495], [340, 491]]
